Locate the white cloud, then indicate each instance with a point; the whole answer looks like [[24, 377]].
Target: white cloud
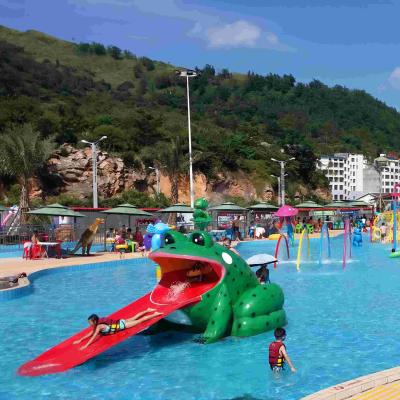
[[207, 26], [237, 34], [394, 78]]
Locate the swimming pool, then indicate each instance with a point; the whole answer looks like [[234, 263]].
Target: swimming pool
[[342, 324], [15, 250]]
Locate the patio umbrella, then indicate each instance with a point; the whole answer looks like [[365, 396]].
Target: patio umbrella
[[56, 210], [261, 259], [128, 209], [263, 206], [178, 208], [308, 204], [286, 211], [338, 205], [358, 203], [228, 207]]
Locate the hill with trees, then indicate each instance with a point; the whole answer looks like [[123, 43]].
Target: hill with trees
[[67, 92]]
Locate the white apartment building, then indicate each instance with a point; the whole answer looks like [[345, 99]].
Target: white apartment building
[[389, 168], [351, 176], [345, 174]]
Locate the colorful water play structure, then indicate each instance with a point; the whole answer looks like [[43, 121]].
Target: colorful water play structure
[[213, 286]]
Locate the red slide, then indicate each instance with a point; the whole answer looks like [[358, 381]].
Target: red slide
[[166, 297]]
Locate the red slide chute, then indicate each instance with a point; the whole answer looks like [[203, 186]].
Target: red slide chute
[[67, 355]]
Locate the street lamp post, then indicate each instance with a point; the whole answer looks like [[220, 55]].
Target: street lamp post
[[282, 164], [279, 188], [157, 171], [189, 74], [94, 158]]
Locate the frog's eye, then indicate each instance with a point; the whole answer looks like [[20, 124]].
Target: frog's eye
[[169, 239], [198, 238]]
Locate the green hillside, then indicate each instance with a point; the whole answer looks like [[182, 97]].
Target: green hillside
[[74, 91]]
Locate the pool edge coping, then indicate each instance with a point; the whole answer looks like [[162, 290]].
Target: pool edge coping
[[348, 389], [25, 289]]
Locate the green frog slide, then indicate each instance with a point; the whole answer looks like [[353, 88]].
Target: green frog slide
[[213, 286]]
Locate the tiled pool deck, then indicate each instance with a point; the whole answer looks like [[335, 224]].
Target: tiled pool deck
[[383, 385]]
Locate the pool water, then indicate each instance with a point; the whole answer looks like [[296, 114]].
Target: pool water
[[15, 250], [341, 324]]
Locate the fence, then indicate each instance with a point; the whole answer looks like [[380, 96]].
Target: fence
[[66, 234]]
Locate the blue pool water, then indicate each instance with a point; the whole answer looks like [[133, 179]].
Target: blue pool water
[[15, 250], [342, 324]]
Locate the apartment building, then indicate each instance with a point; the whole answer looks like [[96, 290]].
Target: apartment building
[[389, 168], [345, 172]]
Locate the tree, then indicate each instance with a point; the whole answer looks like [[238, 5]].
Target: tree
[[22, 152], [173, 156]]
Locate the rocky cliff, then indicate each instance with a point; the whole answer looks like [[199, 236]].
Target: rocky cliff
[[69, 170]]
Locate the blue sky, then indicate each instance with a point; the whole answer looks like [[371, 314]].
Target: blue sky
[[355, 43]]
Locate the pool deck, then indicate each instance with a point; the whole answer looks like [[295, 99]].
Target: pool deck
[[383, 385], [13, 266]]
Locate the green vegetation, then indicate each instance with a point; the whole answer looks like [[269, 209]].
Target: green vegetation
[[86, 90], [22, 153]]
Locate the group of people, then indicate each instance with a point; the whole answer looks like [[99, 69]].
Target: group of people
[[124, 236]]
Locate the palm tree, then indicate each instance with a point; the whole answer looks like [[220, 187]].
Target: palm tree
[[173, 156], [22, 152]]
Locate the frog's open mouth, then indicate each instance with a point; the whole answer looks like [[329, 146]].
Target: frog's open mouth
[[185, 278]]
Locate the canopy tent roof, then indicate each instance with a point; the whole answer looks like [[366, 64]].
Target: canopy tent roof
[[128, 209], [286, 211], [263, 206], [228, 206], [338, 205], [359, 203], [309, 204], [178, 208], [260, 259], [56, 210], [2, 208]]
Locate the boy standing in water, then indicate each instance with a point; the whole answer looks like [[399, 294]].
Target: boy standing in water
[[277, 352]]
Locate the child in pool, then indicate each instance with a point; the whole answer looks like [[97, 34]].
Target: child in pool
[[278, 354], [106, 327]]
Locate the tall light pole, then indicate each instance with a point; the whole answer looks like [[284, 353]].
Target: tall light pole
[[157, 171], [282, 164], [278, 178], [187, 73], [279, 188], [94, 158]]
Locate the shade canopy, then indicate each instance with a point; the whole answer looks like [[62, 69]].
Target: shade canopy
[[2, 208], [128, 209], [338, 205], [358, 203], [228, 206], [263, 206], [178, 208], [286, 211], [309, 204], [56, 210], [261, 259]]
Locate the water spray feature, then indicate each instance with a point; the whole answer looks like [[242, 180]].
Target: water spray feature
[[282, 249], [324, 244], [303, 254], [346, 241]]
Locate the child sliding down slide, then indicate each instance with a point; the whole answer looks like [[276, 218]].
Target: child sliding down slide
[[105, 326]]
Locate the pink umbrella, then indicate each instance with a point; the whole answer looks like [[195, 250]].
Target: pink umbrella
[[286, 211]]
